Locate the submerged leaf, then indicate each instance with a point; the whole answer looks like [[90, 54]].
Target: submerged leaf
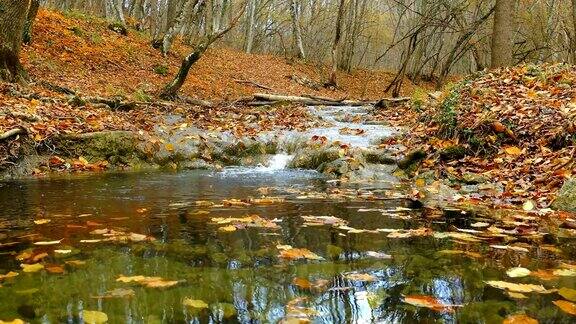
[[428, 302], [567, 293], [94, 317], [194, 303], [518, 272], [519, 319], [32, 267], [566, 306], [521, 288]]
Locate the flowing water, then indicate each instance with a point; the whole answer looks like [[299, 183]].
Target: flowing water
[[73, 245]]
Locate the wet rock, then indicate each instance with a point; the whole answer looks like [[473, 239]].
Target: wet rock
[[453, 153], [196, 164], [566, 198], [341, 166], [473, 178], [412, 159], [117, 147], [311, 158], [379, 157]]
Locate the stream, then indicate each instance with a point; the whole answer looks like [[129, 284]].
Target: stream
[[265, 245]]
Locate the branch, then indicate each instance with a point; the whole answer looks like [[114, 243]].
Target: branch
[[12, 132]]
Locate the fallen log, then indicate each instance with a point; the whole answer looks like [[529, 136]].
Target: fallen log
[[12, 132], [324, 101]]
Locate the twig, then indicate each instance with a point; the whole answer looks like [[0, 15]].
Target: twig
[[12, 132]]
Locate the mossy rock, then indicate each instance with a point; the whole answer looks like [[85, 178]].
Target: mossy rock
[[453, 153], [116, 147], [311, 158], [412, 160], [379, 157], [566, 198]]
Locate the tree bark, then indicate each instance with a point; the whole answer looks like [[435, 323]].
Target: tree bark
[[296, 31], [250, 25], [13, 14], [27, 36], [574, 31], [336, 45], [503, 33]]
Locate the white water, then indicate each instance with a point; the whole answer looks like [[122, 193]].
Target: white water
[[277, 162]]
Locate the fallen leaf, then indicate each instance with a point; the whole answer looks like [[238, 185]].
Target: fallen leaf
[[565, 272], [360, 277], [566, 306], [519, 319], [517, 272], [229, 228], [428, 302], [194, 303], [43, 243], [16, 321], [94, 317], [521, 288], [513, 150], [302, 283], [10, 274], [295, 254], [567, 293], [117, 293], [56, 269], [42, 221], [29, 268]]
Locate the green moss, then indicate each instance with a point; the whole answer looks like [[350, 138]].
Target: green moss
[[115, 147], [161, 69]]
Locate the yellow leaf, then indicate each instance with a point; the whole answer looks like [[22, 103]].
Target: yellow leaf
[[566, 306], [16, 321], [521, 288], [567, 293], [169, 147], [360, 277], [528, 205], [565, 272], [519, 319], [94, 317], [428, 302], [517, 272], [229, 228], [10, 274], [513, 150], [194, 303], [43, 243], [42, 221], [32, 267]]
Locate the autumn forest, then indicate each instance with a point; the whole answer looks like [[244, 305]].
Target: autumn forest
[[287, 161]]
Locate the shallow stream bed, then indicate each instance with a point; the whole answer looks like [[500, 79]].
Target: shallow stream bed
[[239, 246]]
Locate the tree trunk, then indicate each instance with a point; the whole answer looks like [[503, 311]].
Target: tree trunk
[[27, 36], [503, 33], [13, 14], [336, 45], [296, 32], [176, 26], [250, 25], [574, 31]]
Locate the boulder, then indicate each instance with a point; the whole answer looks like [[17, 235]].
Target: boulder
[[566, 198]]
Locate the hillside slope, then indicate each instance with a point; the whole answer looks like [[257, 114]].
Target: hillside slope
[[80, 52]]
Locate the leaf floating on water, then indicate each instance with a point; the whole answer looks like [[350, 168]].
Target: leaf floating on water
[[518, 272], [565, 272], [544, 274], [360, 277], [42, 221], [323, 220], [521, 288], [229, 228], [194, 303], [91, 241], [117, 293], [510, 247], [296, 254], [44, 243], [94, 317], [55, 269], [62, 251], [10, 274], [30, 268], [75, 263], [516, 295], [567, 293], [150, 282], [566, 306], [480, 224], [16, 321], [428, 302], [378, 255], [267, 200], [519, 319]]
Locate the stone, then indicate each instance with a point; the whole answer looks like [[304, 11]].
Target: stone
[[566, 198]]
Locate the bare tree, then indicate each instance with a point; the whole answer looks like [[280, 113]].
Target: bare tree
[[332, 82], [13, 14], [27, 36], [170, 91], [503, 33], [296, 31]]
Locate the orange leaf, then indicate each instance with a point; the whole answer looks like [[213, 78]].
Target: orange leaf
[[566, 306], [519, 319]]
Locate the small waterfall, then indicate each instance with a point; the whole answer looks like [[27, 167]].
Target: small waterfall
[[277, 162]]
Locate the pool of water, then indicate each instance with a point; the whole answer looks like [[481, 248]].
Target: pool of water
[[92, 235]]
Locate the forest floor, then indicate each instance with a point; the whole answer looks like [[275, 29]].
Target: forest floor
[[508, 133]]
